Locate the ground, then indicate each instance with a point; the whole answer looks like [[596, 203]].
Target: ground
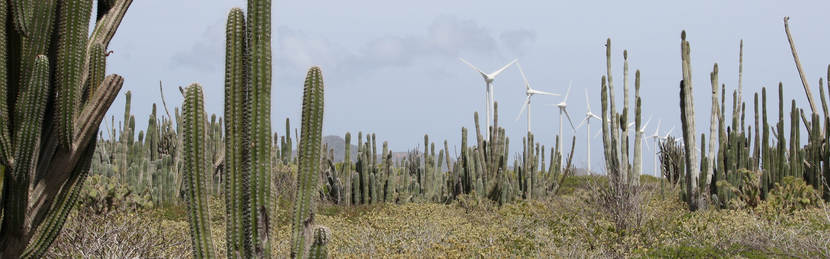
[[569, 225]]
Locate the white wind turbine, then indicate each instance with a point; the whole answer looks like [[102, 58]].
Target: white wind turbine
[[563, 108], [655, 137], [529, 92], [587, 121], [489, 95]]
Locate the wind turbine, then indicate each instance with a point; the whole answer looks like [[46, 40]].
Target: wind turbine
[[529, 92], [563, 108], [489, 95], [656, 137], [587, 121]]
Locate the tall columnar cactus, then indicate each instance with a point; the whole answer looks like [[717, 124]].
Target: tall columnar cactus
[[638, 139], [622, 173], [237, 167], [42, 33], [309, 163], [713, 123], [687, 116], [259, 79], [195, 163]]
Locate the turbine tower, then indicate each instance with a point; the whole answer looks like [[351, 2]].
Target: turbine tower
[[587, 121], [489, 95], [529, 92]]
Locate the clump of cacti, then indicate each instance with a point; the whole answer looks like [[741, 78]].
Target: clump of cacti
[[622, 173], [48, 129]]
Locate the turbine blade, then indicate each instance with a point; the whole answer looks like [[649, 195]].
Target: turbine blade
[[569, 118], [534, 91], [658, 128], [587, 100], [568, 92], [474, 67], [646, 125], [524, 105], [583, 122], [503, 68], [527, 83]]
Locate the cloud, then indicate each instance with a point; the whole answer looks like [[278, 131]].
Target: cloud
[[517, 41], [447, 37], [206, 54]]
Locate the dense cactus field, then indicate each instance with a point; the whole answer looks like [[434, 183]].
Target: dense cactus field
[[191, 184]]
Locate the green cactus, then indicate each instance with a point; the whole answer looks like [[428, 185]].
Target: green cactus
[[195, 161], [97, 68], [31, 108], [57, 163], [318, 247], [237, 168], [308, 167], [73, 28]]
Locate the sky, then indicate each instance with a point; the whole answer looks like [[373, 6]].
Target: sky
[[392, 67]]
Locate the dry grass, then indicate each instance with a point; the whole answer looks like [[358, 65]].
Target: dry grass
[[569, 226]]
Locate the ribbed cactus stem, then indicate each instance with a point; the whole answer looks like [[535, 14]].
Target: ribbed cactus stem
[[73, 28], [195, 162], [5, 136], [688, 124], [22, 14], [37, 41], [638, 138], [31, 107], [97, 68], [259, 76], [309, 163], [65, 201], [713, 123], [237, 168]]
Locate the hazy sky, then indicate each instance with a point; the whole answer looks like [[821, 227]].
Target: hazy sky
[[391, 67]]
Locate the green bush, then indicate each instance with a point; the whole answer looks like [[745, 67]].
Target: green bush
[[792, 194], [102, 194]]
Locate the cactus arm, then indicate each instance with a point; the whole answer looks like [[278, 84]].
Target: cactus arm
[[195, 172], [73, 20], [21, 14], [97, 68], [5, 139], [309, 160], [31, 107], [798, 66], [65, 201], [36, 43]]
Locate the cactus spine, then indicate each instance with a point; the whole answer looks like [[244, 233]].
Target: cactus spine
[[309, 163]]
